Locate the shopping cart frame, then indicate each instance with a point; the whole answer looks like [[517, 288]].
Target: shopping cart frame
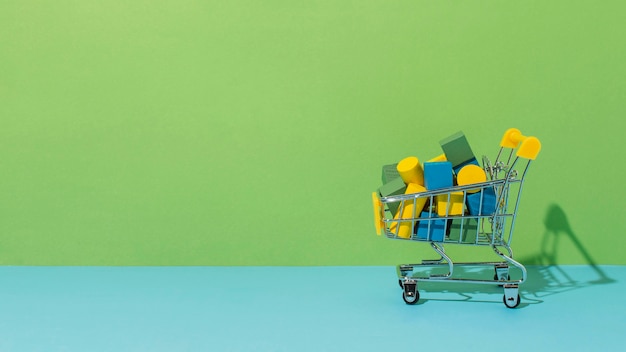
[[492, 229]]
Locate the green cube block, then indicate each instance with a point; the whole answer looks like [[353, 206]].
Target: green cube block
[[390, 172], [457, 149], [466, 234], [393, 188]]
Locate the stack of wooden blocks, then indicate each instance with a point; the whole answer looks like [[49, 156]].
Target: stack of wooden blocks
[[457, 166]]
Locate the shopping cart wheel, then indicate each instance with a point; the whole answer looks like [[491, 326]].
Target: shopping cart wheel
[[410, 294], [511, 302], [411, 299]]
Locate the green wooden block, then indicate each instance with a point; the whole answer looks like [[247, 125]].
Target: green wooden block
[[457, 149], [393, 188], [390, 172], [467, 234]]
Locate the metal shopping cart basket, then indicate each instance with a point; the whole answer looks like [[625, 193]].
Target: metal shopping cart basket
[[491, 224]]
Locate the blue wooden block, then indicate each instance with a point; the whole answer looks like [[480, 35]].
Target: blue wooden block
[[438, 175], [488, 196], [437, 228]]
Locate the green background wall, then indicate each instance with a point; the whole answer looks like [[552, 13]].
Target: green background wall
[[252, 132]]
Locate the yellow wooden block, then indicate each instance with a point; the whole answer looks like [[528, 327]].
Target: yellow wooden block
[[469, 175], [441, 157], [450, 204], [404, 229], [411, 171], [378, 213]]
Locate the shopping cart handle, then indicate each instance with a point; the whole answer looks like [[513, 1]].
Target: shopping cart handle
[[511, 138], [529, 147]]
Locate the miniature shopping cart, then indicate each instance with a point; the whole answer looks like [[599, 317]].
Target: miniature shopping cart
[[490, 224]]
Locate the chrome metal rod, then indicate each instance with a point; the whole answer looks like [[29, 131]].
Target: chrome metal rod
[[439, 249], [513, 262]]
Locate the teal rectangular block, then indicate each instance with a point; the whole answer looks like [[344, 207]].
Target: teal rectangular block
[[483, 202], [457, 149], [438, 175], [431, 230]]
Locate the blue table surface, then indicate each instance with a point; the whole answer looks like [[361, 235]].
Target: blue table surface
[[564, 308]]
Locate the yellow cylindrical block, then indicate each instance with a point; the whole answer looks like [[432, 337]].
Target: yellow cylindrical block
[[469, 175], [414, 206], [411, 171]]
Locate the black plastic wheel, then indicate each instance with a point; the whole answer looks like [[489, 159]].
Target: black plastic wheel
[[400, 283], [411, 299], [511, 303]]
